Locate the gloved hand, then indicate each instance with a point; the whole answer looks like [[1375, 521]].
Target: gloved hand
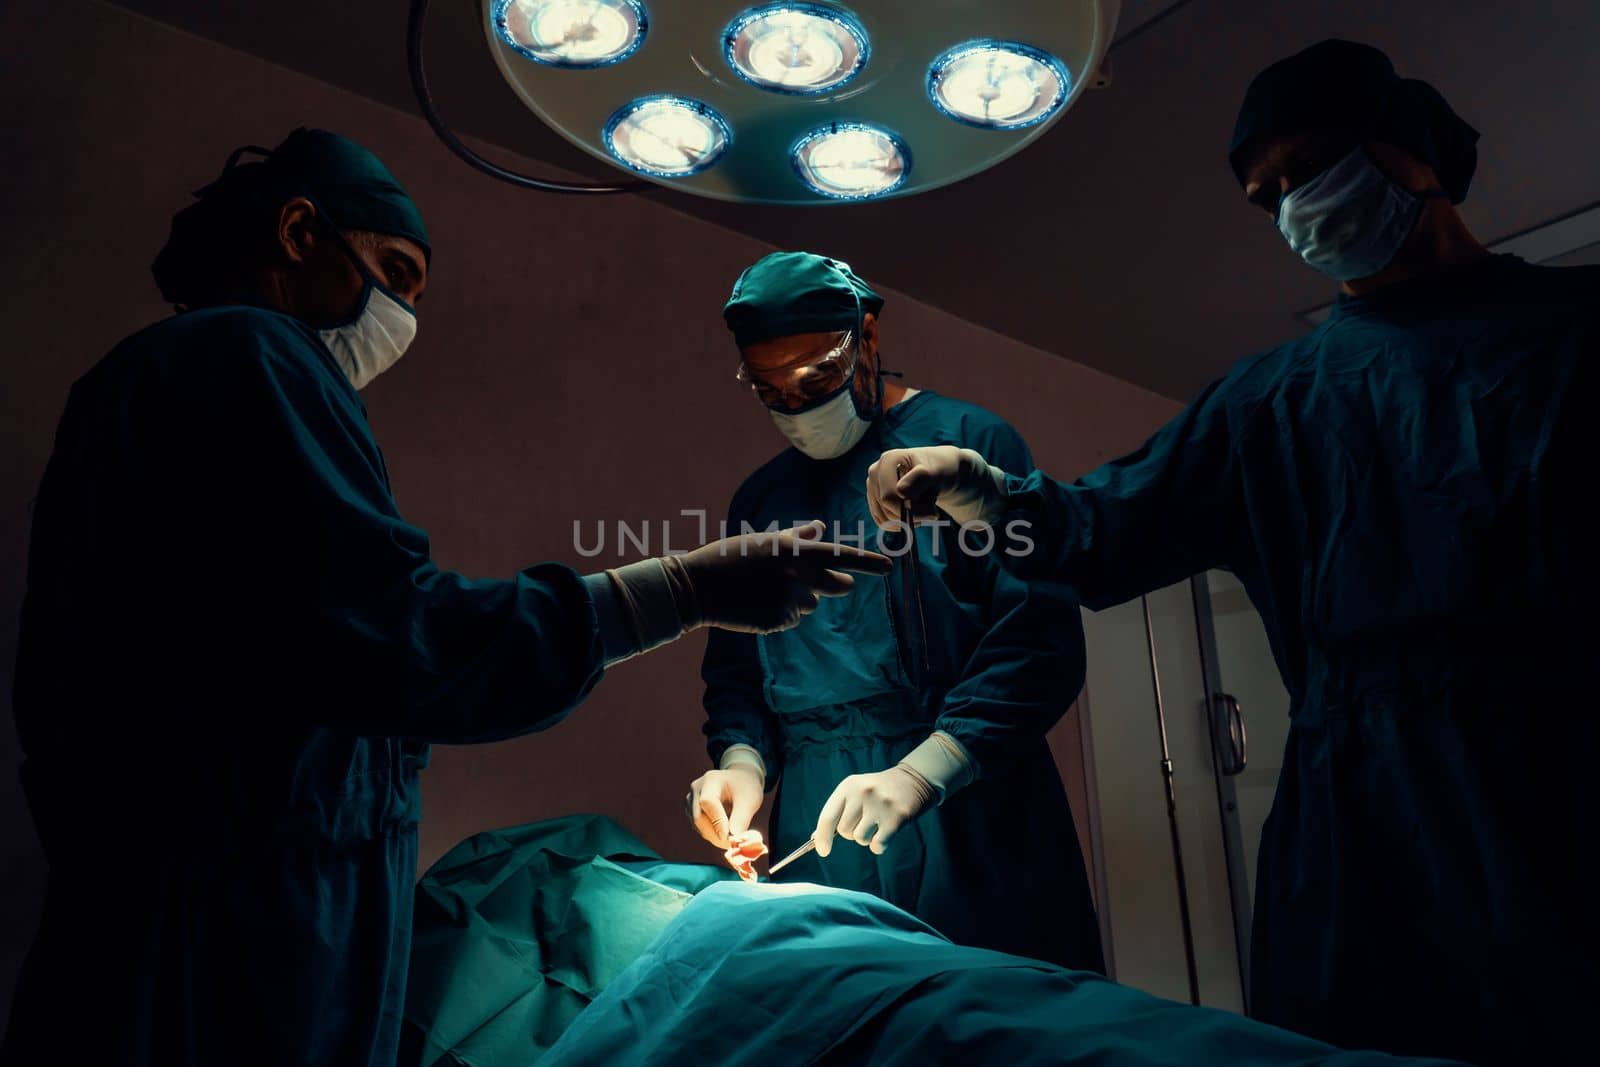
[[743, 851], [723, 802], [870, 808], [763, 582], [957, 481]]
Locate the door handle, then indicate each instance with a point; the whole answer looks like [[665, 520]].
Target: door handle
[[1228, 734]]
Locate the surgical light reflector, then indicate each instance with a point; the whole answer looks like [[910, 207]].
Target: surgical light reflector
[[797, 102], [998, 85], [667, 136], [852, 161], [572, 33], [796, 48]]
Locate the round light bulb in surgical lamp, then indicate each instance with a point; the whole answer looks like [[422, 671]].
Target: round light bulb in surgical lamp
[[998, 85], [852, 161], [796, 48], [572, 33], [667, 136]]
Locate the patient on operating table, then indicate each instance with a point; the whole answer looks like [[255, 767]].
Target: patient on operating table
[[571, 942]]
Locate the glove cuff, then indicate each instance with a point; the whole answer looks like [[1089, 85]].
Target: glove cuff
[[745, 754], [943, 763], [650, 607], [682, 589], [981, 496]]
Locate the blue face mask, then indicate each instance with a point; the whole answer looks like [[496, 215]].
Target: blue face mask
[[1350, 220]]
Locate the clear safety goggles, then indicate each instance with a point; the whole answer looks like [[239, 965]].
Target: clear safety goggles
[[809, 379]]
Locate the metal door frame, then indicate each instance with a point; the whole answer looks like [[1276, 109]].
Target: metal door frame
[[1227, 797], [1097, 853]]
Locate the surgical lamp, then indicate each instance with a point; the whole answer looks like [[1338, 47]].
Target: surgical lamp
[[812, 102]]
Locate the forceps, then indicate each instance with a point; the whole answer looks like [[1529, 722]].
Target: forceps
[[912, 608], [809, 846]]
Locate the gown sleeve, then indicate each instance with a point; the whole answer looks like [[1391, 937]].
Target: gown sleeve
[[1028, 666], [402, 647], [1156, 516], [735, 698]]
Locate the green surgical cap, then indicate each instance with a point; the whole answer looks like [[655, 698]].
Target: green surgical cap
[[349, 184], [1352, 88], [787, 293]]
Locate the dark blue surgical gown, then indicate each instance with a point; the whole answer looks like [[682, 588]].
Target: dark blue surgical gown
[[234, 653], [851, 692], [1407, 494]]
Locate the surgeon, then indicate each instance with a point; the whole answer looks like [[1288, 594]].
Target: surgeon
[[905, 730], [235, 650], [1406, 493]]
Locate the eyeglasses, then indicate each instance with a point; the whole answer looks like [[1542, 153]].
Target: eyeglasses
[[813, 377]]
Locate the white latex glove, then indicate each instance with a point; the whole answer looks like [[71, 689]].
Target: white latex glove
[[957, 481], [763, 582], [722, 802], [869, 809]]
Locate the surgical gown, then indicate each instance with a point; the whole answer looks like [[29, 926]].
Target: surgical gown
[[234, 654], [1406, 493], [856, 688]]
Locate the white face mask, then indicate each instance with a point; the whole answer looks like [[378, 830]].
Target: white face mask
[[375, 338], [828, 430], [1350, 220]]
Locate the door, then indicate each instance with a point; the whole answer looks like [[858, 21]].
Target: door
[[1249, 720], [1225, 715]]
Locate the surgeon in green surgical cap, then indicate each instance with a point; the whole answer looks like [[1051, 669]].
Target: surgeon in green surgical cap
[[1407, 494], [235, 651], [903, 730]]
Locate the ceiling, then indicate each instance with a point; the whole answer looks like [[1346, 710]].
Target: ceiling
[[1118, 239]]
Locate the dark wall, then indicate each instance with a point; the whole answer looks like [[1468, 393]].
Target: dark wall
[[571, 366]]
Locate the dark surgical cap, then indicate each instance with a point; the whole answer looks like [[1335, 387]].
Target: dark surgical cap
[[787, 293], [349, 185], [1352, 88], [348, 182]]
